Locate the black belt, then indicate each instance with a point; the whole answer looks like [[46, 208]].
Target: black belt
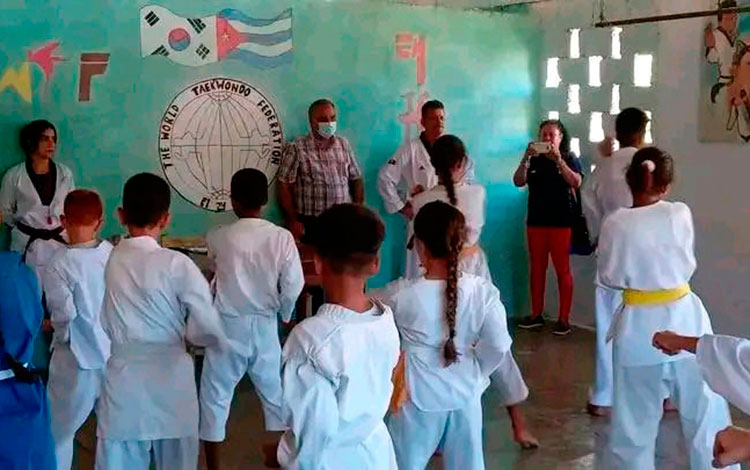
[[22, 372], [35, 234]]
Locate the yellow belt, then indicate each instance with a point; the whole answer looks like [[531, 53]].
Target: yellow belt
[[400, 390], [654, 297], [644, 298]]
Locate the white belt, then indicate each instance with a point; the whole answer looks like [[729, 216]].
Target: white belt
[[141, 350], [9, 374], [418, 348]]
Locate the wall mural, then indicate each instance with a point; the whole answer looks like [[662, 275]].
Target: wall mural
[[46, 60], [725, 78], [413, 47], [262, 43], [20, 79], [92, 64], [213, 129], [104, 75], [217, 126]]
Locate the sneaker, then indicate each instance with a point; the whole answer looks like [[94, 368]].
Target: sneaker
[[561, 329], [530, 323]]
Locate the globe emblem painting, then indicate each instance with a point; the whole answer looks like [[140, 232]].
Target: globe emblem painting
[[211, 130]]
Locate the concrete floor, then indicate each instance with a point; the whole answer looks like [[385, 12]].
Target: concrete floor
[[558, 372]]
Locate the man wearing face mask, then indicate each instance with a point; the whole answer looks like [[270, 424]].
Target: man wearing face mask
[[317, 171]]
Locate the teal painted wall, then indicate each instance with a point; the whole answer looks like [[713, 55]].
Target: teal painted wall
[[481, 64]]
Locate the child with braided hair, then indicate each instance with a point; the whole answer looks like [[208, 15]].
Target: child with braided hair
[[449, 158], [454, 335]]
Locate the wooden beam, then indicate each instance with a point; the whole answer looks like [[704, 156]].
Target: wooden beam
[[676, 16]]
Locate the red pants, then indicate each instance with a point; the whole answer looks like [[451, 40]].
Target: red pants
[[543, 242]]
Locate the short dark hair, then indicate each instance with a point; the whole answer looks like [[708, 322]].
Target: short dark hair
[[32, 133], [83, 207], [250, 188], [630, 123], [145, 199], [349, 237], [320, 102], [726, 4], [431, 105], [661, 177], [565, 142]]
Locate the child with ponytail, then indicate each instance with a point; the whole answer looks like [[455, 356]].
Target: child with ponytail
[[646, 252], [449, 158], [454, 335]]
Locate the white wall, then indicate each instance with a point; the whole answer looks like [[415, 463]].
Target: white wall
[[711, 178]]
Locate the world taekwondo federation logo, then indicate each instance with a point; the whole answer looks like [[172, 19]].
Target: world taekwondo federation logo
[[211, 130]]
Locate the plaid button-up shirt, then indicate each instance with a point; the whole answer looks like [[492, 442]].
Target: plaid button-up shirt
[[321, 172]]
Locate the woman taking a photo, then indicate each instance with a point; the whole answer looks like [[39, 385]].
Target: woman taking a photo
[[553, 174]]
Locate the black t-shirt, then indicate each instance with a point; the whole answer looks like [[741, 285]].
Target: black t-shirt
[[426, 144], [549, 193], [45, 184]]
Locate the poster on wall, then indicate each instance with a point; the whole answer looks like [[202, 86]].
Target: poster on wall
[[724, 111], [212, 129], [413, 47]]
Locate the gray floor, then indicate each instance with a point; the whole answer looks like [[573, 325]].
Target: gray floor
[[558, 372]]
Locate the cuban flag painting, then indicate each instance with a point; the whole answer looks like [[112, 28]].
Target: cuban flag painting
[[262, 43]]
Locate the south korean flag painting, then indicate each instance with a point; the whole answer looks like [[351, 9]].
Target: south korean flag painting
[[187, 41], [230, 34]]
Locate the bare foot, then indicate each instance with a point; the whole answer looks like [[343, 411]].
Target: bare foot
[[521, 433], [669, 407], [598, 411], [525, 439], [269, 456]]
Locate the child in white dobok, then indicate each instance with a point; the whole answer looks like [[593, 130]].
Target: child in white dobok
[[258, 277], [337, 365], [603, 192], [449, 158], [74, 286], [156, 301], [647, 253], [454, 334]]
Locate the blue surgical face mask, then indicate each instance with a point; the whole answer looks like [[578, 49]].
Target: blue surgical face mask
[[327, 129]]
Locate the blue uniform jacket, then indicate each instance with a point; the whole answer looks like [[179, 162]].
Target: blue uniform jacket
[[25, 436]]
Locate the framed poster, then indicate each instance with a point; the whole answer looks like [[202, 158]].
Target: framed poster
[[724, 111]]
